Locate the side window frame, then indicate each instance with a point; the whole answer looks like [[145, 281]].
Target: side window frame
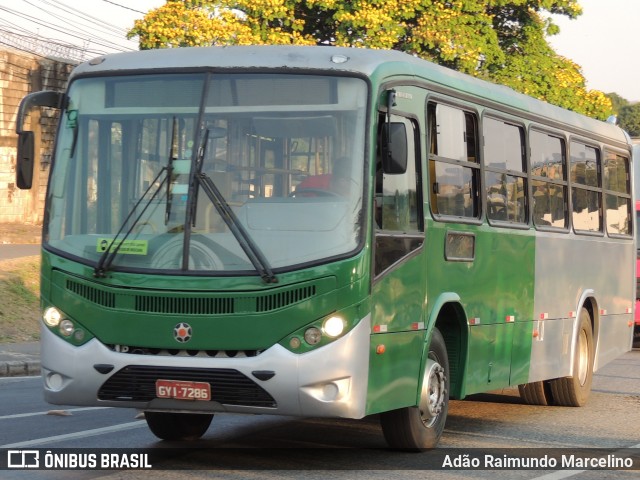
[[522, 174], [393, 245], [542, 178], [584, 188], [609, 193], [436, 161]]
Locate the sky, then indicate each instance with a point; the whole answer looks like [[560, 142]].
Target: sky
[[602, 40]]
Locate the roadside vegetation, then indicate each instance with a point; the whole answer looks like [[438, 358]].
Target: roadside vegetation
[[20, 300]]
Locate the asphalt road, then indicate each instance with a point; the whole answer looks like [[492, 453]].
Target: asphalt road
[[246, 446], [10, 251]]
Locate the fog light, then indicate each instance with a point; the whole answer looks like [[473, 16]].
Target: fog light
[[333, 326], [54, 381], [294, 343], [312, 336], [52, 316], [66, 327]]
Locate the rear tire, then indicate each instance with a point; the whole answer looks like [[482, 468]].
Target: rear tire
[[178, 426], [536, 393], [574, 391], [420, 427]]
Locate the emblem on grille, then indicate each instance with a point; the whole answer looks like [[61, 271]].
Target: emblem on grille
[[182, 332]]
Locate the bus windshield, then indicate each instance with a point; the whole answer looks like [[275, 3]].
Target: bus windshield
[[138, 157]]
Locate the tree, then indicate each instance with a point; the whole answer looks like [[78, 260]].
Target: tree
[[499, 40], [629, 119], [617, 102]]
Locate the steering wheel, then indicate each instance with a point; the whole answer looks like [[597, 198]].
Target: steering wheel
[[202, 255]]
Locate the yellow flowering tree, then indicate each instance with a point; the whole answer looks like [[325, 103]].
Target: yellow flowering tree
[[498, 40]]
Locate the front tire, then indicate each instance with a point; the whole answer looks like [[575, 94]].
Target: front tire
[[420, 427], [178, 426], [574, 391]]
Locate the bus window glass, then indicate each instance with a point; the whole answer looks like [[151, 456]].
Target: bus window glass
[[505, 171], [585, 164], [397, 199], [398, 203], [549, 185], [586, 210], [549, 204], [586, 196], [503, 145], [453, 163], [617, 194], [547, 156], [133, 152]]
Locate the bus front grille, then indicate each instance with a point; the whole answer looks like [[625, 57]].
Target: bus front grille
[[137, 383]]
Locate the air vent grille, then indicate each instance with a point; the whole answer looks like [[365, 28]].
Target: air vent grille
[[185, 306], [100, 297], [193, 302], [278, 300]]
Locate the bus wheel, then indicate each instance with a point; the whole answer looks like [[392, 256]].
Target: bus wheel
[[536, 393], [420, 427], [574, 391], [178, 426]]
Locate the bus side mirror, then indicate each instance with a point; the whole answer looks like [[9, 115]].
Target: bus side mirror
[[24, 165], [394, 148], [26, 150]]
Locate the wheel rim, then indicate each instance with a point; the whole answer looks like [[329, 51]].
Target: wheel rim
[[432, 398], [583, 357]]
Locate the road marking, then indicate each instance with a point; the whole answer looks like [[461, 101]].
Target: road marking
[[23, 377], [35, 414], [71, 436]]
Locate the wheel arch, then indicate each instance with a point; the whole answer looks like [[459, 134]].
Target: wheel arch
[[449, 317], [590, 303]]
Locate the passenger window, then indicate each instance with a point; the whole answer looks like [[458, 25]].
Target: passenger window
[[586, 194], [453, 161], [548, 182], [505, 171], [617, 194]]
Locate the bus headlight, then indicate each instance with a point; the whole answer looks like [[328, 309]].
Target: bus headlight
[[52, 316], [312, 336], [333, 326], [66, 327]]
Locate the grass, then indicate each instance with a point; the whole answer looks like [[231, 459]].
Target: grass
[[20, 304]]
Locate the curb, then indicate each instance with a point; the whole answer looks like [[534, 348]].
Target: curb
[[28, 368]]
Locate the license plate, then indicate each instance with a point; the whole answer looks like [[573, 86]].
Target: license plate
[[181, 390]]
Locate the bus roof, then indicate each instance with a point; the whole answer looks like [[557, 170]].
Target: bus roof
[[383, 64]]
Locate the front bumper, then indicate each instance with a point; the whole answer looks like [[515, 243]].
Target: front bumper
[[328, 382]]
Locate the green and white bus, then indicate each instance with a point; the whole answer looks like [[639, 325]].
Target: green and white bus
[[324, 232]]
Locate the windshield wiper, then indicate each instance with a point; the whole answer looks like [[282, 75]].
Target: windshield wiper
[[109, 254], [249, 247]]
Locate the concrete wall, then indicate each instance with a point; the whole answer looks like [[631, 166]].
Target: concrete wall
[[22, 73]]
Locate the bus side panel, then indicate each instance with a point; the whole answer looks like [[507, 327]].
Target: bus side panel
[[496, 293], [568, 267], [522, 333], [394, 373], [488, 359], [397, 317]]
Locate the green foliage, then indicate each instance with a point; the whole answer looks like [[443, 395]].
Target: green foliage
[[629, 119], [20, 293], [499, 40], [617, 102]]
